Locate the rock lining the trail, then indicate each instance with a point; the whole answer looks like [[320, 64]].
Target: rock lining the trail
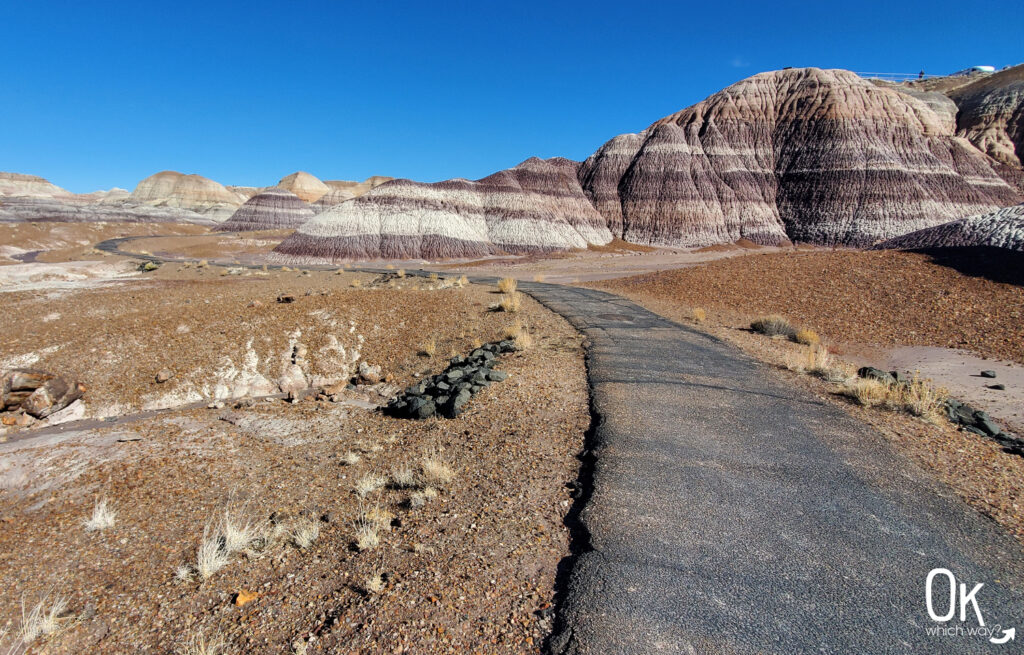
[[447, 393]]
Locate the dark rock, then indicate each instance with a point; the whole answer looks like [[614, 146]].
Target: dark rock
[[988, 374], [997, 387], [497, 376], [422, 408], [901, 378], [285, 298], [872, 373], [454, 374], [988, 427]]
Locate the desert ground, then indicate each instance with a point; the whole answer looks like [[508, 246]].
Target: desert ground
[[353, 531], [359, 532]]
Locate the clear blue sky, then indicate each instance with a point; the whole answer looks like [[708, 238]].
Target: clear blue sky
[[97, 94]]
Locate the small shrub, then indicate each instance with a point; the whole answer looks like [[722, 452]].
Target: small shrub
[[507, 285], [699, 315], [367, 537], [401, 273], [773, 326], [463, 281], [518, 333], [349, 458], [807, 337], [403, 477], [868, 392], [102, 517], [305, 532], [374, 584], [436, 471], [183, 573], [356, 284], [921, 399], [428, 349], [237, 533], [368, 484], [40, 621], [511, 302], [390, 267], [434, 277], [538, 277], [211, 556]]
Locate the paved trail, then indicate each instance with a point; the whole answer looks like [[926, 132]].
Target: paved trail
[[728, 512], [732, 513]]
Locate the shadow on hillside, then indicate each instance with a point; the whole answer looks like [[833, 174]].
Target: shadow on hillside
[[996, 264]]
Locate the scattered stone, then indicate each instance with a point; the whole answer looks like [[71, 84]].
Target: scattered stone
[[997, 387], [164, 375], [245, 596], [988, 374], [255, 303], [286, 298], [215, 405], [369, 374]]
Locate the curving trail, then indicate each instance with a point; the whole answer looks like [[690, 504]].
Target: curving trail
[[724, 511]]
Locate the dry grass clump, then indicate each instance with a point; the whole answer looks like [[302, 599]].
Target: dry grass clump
[[198, 645], [435, 470], [367, 534], [538, 277], [102, 517], [368, 484], [518, 333], [868, 392], [420, 498], [403, 477], [305, 532], [211, 555], [807, 337], [922, 400], [699, 315], [508, 285], [434, 277], [511, 302], [202, 263], [350, 458], [401, 273], [41, 621], [772, 326], [374, 584], [915, 397], [428, 349], [462, 281]]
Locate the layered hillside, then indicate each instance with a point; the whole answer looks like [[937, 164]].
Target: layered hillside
[[30, 186], [536, 206], [23, 209], [272, 209], [1003, 228], [991, 116], [818, 156], [305, 186], [192, 192]]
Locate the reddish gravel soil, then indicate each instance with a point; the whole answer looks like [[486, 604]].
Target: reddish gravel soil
[[470, 571], [882, 298]]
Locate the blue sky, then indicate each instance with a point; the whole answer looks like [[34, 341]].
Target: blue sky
[[97, 94]]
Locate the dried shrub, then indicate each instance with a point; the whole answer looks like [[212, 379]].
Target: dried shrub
[[772, 326]]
